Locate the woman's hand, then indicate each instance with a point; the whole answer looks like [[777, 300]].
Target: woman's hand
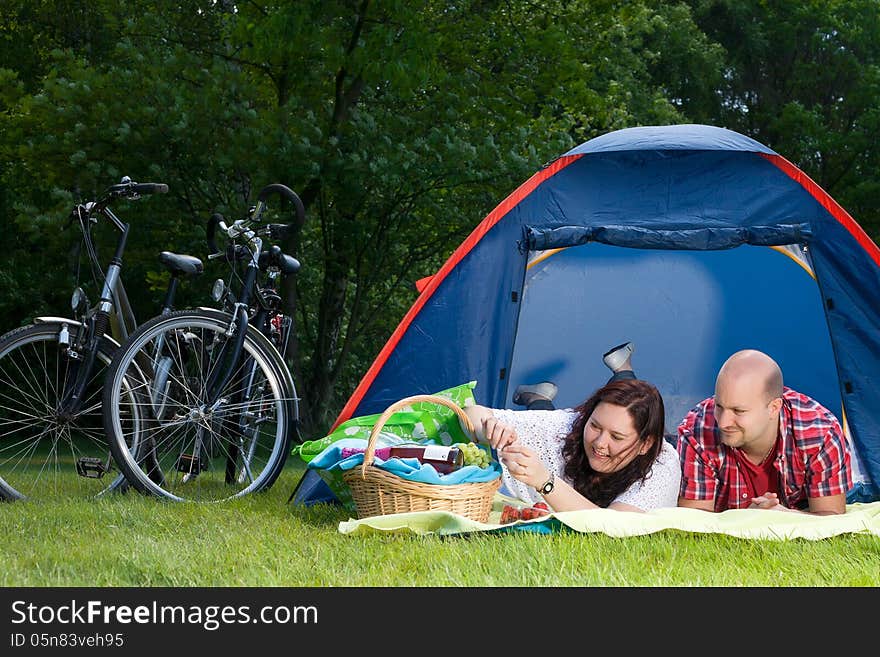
[[498, 434], [524, 465]]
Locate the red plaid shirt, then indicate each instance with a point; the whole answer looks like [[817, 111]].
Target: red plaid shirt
[[814, 460]]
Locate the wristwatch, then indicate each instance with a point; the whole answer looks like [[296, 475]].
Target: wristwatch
[[547, 488]]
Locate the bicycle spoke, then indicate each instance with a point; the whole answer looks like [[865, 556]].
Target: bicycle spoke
[[40, 449], [33, 391], [204, 451]]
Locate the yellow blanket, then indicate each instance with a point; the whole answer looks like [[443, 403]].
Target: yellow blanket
[[745, 523]]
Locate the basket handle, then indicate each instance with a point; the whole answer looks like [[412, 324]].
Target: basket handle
[[388, 412]]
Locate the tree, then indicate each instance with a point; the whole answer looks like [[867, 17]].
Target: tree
[[401, 125], [802, 78], [420, 118]]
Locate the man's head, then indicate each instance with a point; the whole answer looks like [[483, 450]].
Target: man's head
[[748, 398]]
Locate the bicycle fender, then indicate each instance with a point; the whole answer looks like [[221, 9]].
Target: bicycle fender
[[71, 322]]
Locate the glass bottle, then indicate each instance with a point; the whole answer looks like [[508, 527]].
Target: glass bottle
[[442, 458]]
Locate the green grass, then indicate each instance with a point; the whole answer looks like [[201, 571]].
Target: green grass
[[131, 540]]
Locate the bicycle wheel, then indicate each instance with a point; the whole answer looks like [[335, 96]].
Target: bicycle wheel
[[43, 453], [199, 442]]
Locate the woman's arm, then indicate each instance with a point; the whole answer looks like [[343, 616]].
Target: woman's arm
[[488, 429], [477, 414], [524, 465]]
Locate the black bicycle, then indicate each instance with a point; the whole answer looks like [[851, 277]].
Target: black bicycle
[[52, 442], [218, 402]]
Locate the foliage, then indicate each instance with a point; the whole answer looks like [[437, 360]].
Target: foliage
[[400, 124], [802, 78]]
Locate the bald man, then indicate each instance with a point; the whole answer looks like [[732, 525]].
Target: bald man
[[757, 444]]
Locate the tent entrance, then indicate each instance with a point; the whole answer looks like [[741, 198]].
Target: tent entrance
[[686, 311]]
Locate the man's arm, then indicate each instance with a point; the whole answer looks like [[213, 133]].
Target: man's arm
[[693, 468], [830, 505], [830, 473], [703, 505]]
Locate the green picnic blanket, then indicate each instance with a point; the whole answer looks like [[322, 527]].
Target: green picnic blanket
[[860, 518]]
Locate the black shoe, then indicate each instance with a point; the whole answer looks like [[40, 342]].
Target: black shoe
[[616, 357], [544, 390]]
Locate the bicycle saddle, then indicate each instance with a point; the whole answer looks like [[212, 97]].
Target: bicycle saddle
[[181, 265]]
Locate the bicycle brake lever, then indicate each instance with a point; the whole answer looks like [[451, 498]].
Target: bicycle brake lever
[[234, 230], [277, 231], [77, 212]]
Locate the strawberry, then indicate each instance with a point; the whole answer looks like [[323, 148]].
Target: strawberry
[[509, 514]]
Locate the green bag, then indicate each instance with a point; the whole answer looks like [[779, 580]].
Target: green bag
[[424, 422]]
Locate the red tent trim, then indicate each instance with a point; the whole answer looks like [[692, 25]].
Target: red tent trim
[[833, 207], [428, 285], [422, 283]]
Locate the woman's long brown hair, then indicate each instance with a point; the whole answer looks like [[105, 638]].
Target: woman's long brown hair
[[645, 406]]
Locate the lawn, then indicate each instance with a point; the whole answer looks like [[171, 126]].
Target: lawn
[[261, 540]]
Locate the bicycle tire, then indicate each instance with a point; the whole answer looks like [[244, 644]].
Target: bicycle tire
[[39, 449], [188, 450]]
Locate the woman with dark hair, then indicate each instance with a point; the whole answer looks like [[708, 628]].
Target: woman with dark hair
[[608, 452]]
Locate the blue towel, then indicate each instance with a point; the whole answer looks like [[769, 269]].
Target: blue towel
[[409, 468]]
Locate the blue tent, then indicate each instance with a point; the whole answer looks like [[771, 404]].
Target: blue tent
[[690, 240]]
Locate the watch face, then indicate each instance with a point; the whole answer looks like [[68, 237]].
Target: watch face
[[546, 488]]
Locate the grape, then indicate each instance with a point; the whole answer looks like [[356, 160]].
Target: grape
[[473, 454]]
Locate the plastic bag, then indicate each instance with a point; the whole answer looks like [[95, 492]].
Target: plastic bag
[[422, 422], [425, 422]]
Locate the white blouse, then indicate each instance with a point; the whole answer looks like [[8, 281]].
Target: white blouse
[[545, 432]]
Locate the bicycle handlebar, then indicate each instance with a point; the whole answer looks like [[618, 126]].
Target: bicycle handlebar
[[275, 231], [133, 189], [213, 222], [285, 192], [150, 188], [125, 189]]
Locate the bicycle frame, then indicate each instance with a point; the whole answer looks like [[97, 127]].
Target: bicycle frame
[[113, 303], [97, 320], [274, 259], [53, 369]]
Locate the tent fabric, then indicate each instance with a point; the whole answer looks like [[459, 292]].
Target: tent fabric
[[686, 137], [636, 237], [674, 190]]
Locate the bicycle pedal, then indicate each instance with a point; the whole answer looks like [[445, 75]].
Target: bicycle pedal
[[91, 467], [189, 464]]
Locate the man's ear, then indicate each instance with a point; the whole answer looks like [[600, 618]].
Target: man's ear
[[776, 406]]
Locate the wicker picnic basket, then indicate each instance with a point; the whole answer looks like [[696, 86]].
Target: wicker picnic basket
[[378, 492]]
